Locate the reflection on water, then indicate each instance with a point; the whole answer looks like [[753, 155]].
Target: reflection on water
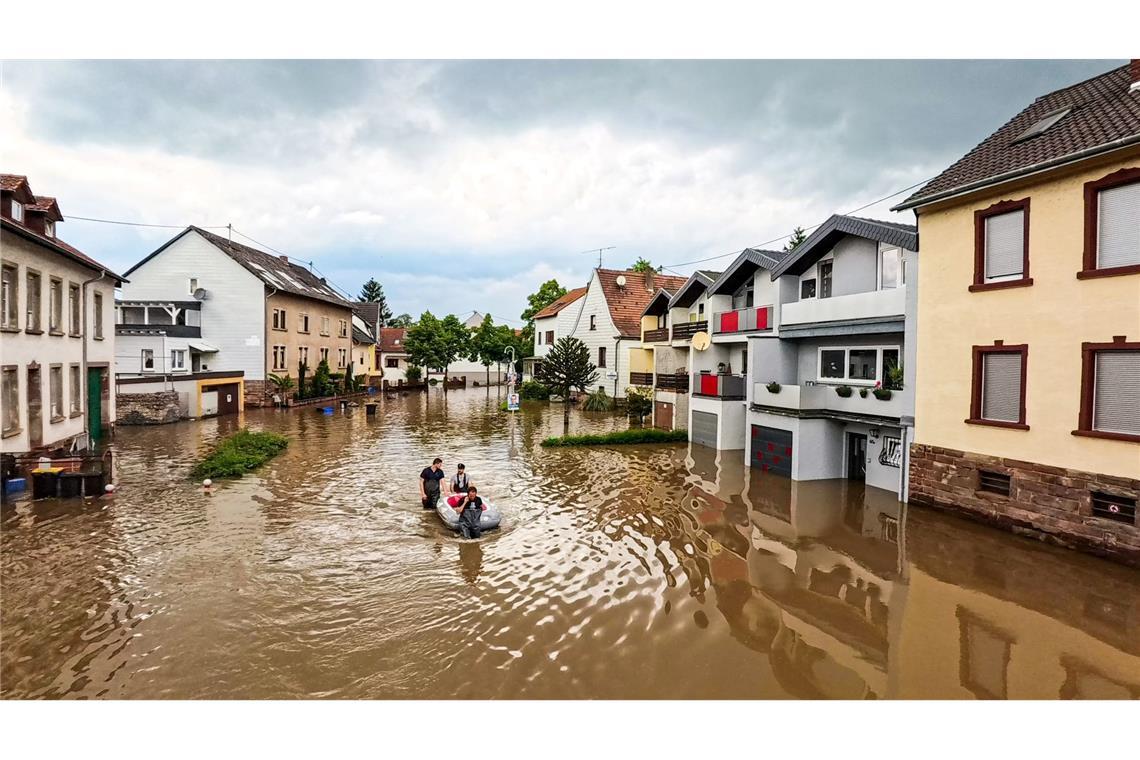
[[640, 572]]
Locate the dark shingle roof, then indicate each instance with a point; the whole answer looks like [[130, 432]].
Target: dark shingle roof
[[826, 235], [1104, 113], [753, 258], [368, 311], [362, 336], [698, 282]]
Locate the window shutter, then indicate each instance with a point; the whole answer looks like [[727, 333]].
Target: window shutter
[[1116, 399], [1001, 387], [1119, 226], [1005, 244]]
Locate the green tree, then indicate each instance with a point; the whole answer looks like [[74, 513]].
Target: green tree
[[798, 236], [372, 291], [644, 265], [567, 366], [435, 343], [302, 370], [547, 293], [282, 384], [455, 342], [322, 383], [639, 403], [404, 320], [487, 344]]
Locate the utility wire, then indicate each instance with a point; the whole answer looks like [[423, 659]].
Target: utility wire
[[136, 224]]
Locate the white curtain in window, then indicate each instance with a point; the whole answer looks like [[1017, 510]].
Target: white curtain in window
[[1119, 227], [1005, 244], [1001, 387], [1116, 394]]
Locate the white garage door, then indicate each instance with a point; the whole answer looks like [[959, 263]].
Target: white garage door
[[704, 429]]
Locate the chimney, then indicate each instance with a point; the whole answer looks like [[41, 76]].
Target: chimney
[[285, 258], [650, 278], [1134, 72]]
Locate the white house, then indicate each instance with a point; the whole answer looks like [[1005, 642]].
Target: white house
[[556, 321], [55, 323]]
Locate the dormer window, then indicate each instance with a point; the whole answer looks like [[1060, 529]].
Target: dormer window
[[17, 211], [49, 228]]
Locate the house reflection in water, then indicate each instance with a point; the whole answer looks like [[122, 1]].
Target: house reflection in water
[[851, 595]]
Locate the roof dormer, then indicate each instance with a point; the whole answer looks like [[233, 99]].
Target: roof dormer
[[41, 216], [15, 197]]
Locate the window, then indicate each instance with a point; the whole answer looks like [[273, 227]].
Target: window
[[73, 309], [983, 659], [34, 296], [602, 356], [17, 211], [891, 274], [193, 285], [998, 390], [1110, 390], [55, 389], [10, 296], [49, 228], [825, 278], [861, 365], [279, 319], [392, 361], [177, 359], [55, 313], [1001, 246], [342, 357], [892, 377], [147, 360], [343, 328], [279, 357], [324, 354], [10, 392], [807, 289], [593, 322], [324, 325], [1112, 225], [76, 391], [550, 337], [743, 296], [303, 354], [304, 326], [98, 316]]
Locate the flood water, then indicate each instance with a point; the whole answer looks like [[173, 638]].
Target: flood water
[[635, 572]]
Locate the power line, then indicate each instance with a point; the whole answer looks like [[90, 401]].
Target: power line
[[599, 252], [136, 224]]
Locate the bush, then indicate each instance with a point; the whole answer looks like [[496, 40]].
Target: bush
[[413, 374], [843, 391], [883, 394], [620, 437], [532, 390], [598, 401], [639, 402], [322, 381], [862, 393], [240, 453]]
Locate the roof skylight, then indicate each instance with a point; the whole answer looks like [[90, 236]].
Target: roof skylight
[[1043, 124]]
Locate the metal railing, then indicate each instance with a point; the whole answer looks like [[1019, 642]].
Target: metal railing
[[718, 386], [686, 330], [743, 320], [669, 381]]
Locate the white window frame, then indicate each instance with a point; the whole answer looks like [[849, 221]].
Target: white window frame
[[11, 316], [846, 380], [144, 354], [55, 392], [75, 380], [49, 228], [17, 211], [55, 306], [177, 359], [304, 326], [193, 285], [902, 267], [279, 359], [74, 309], [97, 316], [1100, 214], [10, 385], [986, 279]]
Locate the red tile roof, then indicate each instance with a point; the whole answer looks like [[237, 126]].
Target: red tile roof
[[47, 205], [391, 339], [627, 303], [1103, 112], [17, 183], [560, 304]]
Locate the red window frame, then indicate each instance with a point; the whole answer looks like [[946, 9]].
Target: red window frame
[[1092, 212], [979, 352], [1088, 386], [980, 216]]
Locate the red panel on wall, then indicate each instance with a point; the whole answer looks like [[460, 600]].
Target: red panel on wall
[[762, 318], [730, 321], [708, 385]]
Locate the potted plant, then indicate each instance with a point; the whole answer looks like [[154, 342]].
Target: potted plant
[[843, 391], [881, 393], [895, 377], [773, 387], [862, 393]]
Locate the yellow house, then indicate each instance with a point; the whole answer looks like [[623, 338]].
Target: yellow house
[[1028, 364]]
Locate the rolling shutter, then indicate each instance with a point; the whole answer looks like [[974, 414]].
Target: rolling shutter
[[1119, 224], [1116, 399], [1005, 244], [1001, 387], [704, 429]]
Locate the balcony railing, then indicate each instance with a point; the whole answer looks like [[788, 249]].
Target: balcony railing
[[686, 330], [718, 386], [821, 397], [742, 320], [641, 378], [660, 335], [171, 331], [672, 382]]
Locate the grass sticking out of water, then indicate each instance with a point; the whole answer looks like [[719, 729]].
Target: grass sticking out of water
[[620, 437], [240, 453]]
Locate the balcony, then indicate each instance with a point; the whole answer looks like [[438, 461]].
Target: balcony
[[660, 335], [750, 319], [718, 386], [871, 305], [170, 331], [817, 398], [641, 378], [686, 330], [678, 383]]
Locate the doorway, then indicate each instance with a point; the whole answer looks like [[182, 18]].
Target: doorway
[[663, 415], [95, 403], [35, 409], [856, 456]]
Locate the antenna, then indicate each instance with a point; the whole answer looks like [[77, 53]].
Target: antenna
[[599, 252]]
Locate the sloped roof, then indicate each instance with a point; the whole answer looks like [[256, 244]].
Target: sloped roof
[[391, 339], [826, 235], [561, 303], [698, 282], [45, 204], [362, 336], [749, 260], [1104, 116], [368, 311], [659, 299], [627, 304], [18, 184]]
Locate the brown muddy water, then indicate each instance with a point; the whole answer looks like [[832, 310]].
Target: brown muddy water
[[636, 572]]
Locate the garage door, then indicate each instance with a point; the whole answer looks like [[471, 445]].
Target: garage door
[[772, 450], [662, 415], [704, 429]]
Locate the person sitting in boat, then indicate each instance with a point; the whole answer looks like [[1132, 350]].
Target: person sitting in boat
[[429, 483], [460, 480], [471, 514]]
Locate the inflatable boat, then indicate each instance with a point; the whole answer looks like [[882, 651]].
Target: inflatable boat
[[445, 508]]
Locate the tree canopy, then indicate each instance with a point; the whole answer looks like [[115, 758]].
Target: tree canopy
[[547, 293], [373, 292], [567, 366], [644, 265], [403, 320], [798, 236]]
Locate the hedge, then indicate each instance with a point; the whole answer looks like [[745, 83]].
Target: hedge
[[620, 437], [241, 452]]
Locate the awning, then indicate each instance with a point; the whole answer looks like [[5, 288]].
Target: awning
[[203, 348]]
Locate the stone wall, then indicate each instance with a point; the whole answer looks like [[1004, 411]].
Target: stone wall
[[1049, 503], [259, 393], [148, 408]]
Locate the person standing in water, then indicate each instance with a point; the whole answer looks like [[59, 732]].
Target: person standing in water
[[460, 481], [471, 514], [429, 483]]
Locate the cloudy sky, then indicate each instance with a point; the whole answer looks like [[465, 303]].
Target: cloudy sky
[[469, 183]]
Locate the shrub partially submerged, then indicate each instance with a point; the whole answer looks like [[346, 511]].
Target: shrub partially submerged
[[240, 453], [620, 437]]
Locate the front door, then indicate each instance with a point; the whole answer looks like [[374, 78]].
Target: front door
[[856, 456], [663, 415], [35, 409], [95, 403], [228, 398]]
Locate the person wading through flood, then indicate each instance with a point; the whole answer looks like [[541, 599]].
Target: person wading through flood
[[460, 481], [470, 514], [429, 483]]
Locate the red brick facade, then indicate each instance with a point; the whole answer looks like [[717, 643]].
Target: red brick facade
[[1050, 503]]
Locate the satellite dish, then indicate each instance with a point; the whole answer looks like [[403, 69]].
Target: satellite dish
[[701, 340], [201, 294], [621, 280]]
